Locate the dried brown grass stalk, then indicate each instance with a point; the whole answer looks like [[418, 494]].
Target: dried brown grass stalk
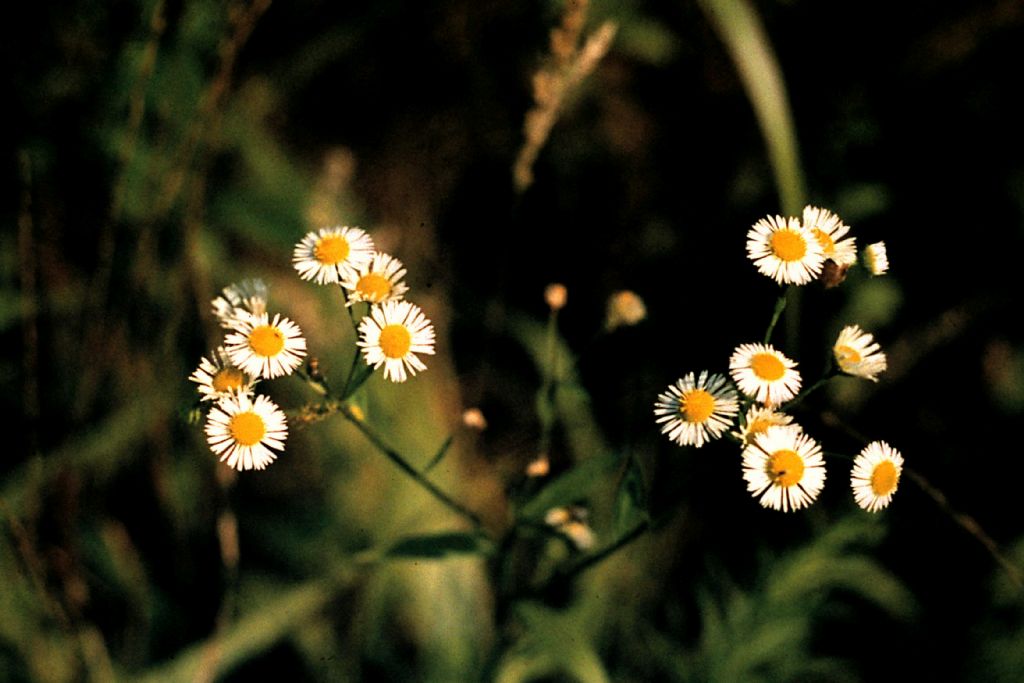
[[566, 67]]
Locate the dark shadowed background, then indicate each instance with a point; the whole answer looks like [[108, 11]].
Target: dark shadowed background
[[157, 151]]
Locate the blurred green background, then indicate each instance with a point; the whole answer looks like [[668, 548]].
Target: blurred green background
[[155, 152]]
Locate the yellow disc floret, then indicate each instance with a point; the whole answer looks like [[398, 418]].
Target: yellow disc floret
[[785, 468], [331, 250], [828, 247], [767, 367], [266, 340], [789, 245], [247, 428], [846, 354], [697, 406], [227, 379], [884, 478], [373, 287], [395, 341]]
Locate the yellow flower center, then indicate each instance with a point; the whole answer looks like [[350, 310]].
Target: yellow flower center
[[697, 406], [266, 340], [767, 367], [846, 354], [247, 428], [331, 250], [885, 478], [788, 245], [373, 287], [395, 341], [825, 240], [785, 468], [759, 426], [227, 379]]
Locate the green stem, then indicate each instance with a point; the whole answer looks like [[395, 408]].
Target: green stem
[[809, 390], [411, 471], [592, 560], [548, 385], [780, 306], [624, 540], [971, 526]]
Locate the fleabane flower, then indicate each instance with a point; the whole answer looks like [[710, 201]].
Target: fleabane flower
[[218, 377], [247, 296], [757, 420], [764, 374], [784, 468], [392, 334], [785, 250], [876, 260], [697, 409], [828, 229], [377, 281], [857, 353], [876, 475], [243, 431], [265, 348], [327, 255]]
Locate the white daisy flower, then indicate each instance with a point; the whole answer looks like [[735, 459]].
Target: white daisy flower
[[377, 281], [757, 420], [857, 353], [876, 260], [876, 475], [392, 334], [243, 432], [828, 228], [266, 349], [784, 467], [764, 374], [696, 410], [784, 250], [247, 296], [218, 377], [327, 255]]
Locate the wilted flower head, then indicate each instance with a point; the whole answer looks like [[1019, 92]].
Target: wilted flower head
[[247, 296], [625, 307]]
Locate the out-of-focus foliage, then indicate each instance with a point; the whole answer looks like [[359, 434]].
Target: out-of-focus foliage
[[160, 151]]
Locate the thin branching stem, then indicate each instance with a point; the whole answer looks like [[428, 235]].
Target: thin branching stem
[[809, 390], [548, 386], [780, 306], [971, 526], [606, 552], [406, 467]]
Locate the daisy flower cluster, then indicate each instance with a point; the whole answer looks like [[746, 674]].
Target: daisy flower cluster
[[394, 332], [247, 430], [797, 251], [782, 465]]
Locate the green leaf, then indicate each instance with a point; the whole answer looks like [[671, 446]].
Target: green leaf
[[631, 499], [571, 486], [440, 544]]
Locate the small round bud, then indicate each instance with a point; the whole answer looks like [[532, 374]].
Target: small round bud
[[555, 295]]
